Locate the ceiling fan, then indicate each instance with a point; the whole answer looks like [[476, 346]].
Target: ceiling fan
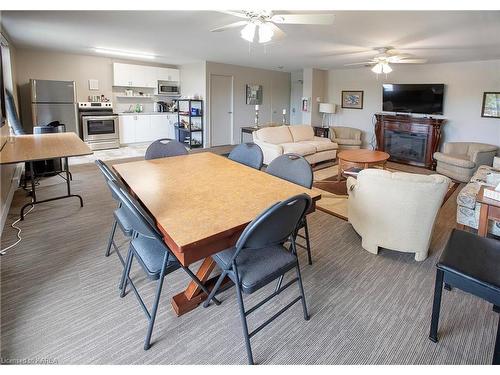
[[386, 56], [264, 23]]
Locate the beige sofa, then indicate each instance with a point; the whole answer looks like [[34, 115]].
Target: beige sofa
[[299, 139], [396, 210], [346, 138], [460, 160]]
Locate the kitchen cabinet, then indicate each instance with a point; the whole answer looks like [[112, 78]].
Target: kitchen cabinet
[[129, 75], [141, 128], [168, 74]]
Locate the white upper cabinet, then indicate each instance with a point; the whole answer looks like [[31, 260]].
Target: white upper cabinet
[[168, 74], [129, 75]]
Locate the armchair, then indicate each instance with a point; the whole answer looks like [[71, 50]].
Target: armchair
[[346, 138], [460, 160], [396, 210]]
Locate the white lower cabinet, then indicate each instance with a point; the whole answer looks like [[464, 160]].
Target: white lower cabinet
[[146, 128]]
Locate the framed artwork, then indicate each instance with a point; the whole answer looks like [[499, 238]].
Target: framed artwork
[[491, 105], [254, 94], [352, 99]]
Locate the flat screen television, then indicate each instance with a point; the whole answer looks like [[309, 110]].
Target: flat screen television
[[413, 98]]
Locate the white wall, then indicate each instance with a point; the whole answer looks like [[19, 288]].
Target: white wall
[[275, 94], [315, 88], [465, 83]]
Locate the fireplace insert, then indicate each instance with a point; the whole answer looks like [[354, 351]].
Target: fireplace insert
[[405, 146]]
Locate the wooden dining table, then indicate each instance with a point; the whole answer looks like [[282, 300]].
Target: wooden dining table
[[201, 203]]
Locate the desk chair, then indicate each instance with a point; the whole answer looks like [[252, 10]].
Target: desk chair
[[162, 148], [296, 169], [248, 154], [259, 258]]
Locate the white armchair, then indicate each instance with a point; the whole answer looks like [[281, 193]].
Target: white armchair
[[347, 138], [460, 160], [396, 210]]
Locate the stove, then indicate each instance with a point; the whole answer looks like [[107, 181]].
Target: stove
[[98, 125]]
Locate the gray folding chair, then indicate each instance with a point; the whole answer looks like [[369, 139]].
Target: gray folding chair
[[259, 258], [154, 257], [296, 169], [248, 154], [162, 148]]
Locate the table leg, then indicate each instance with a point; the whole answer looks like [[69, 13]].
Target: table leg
[[339, 173], [192, 296], [483, 220], [33, 191]]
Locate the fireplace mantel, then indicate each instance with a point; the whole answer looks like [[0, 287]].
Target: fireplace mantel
[[409, 140]]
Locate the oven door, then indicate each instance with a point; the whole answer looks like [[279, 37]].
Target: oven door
[[97, 128]]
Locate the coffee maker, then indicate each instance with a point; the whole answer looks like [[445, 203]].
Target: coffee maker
[[161, 107]]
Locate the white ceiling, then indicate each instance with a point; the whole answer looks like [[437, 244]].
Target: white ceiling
[[179, 37]]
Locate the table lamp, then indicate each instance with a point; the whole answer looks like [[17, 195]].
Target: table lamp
[[326, 108]]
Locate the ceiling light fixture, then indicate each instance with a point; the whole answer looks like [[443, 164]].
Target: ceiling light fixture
[[265, 33], [248, 32], [382, 67], [140, 55]]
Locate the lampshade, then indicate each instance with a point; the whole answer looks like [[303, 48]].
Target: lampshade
[[248, 32], [327, 108]]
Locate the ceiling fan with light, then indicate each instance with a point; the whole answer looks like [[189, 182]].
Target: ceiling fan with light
[[388, 56], [263, 23]]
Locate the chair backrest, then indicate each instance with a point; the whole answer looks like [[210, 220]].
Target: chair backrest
[[12, 117], [248, 154], [108, 174], [162, 148], [293, 168], [140, 220], [276, 224]]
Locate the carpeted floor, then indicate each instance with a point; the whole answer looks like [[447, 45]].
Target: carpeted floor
[[59, 299]]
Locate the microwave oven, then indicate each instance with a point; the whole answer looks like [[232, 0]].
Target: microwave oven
[[168, 88]]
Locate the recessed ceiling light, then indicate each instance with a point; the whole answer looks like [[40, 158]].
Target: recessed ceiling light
[[140, 55]]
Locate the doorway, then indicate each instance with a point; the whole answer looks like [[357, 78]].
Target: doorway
[[296, 101], [221, 110]]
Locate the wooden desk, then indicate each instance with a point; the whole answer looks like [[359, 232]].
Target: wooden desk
[[33, 147], [201, 203], [490, 210]]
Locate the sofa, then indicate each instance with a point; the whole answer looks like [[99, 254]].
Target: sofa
[[299, 139], [395, 210], [346, 138], [468, 208], [459, 160]]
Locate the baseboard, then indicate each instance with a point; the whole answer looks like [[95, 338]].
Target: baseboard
[[12, 189]]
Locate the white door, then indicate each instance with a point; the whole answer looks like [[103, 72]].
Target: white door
[[159, 126], [296, 102], [127, 129], [143, 131], [221, 110]]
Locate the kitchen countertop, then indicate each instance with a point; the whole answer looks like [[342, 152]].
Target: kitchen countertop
[[145, 113]]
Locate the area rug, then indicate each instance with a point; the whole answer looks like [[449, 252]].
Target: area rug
[[334, 194]]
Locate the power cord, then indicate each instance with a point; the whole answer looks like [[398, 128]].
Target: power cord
[[13, 225]]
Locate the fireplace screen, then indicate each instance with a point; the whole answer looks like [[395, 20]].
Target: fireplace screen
[[405, 146]]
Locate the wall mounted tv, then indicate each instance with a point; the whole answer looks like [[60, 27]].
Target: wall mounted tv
[[413, 98]]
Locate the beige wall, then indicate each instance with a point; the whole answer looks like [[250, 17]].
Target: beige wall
[[465, 83], [44, 64], [315, 88], [275, 94]]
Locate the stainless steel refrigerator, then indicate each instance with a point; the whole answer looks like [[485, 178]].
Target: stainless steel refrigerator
[[54, 101]]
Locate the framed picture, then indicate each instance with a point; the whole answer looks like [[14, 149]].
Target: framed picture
[[352, 99], [491, 105], [254, 94]]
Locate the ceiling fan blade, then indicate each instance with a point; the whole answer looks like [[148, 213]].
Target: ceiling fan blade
[[233, 13], [411, 61], [396, 58], [230, 26], [303, 19], [361, 63]]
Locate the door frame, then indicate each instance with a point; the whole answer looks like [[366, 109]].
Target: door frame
[[210, 129]]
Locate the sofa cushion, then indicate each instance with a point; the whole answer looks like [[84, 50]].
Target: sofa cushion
[[458, 160], [301, 133], [298, 148], [345, 141], [321, 145], [274, 134]]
